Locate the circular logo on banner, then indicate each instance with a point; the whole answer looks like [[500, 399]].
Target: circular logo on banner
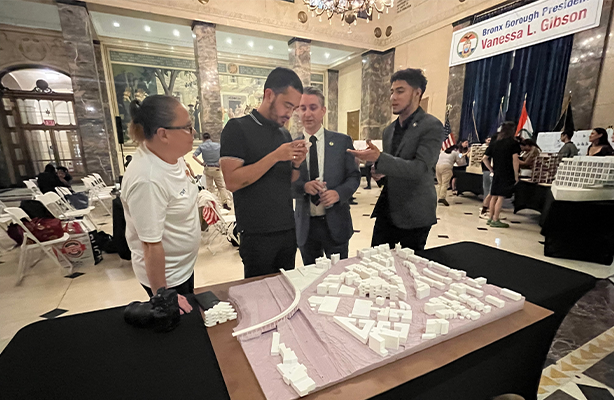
[[467, 44], [73, 248]]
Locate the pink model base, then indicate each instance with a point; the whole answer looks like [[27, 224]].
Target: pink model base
[[330, 353]]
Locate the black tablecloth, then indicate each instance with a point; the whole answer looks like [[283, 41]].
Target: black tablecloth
[[468, 182], [96, 355], [578, 230], [530, 195]]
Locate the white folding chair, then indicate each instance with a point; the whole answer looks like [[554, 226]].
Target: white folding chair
[[100, 185], [95, 194], [62, 209], [33, 187], [17, 214], [222, 228]]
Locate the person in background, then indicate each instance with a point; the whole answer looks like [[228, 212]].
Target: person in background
[[600, 146], [210, 152], [460, 164], [502, 159], [328, 178], [128, 161], [444, 173], [48, 180], [64, 176], [406, 208], [260, 161], [368, 167], [569, 150], [486, 181], [530, 152], [159, 198]]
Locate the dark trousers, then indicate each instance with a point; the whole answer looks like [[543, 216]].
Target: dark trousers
[[267, 253], [368, 173], [185, 288], [384, 231], [320, 242]]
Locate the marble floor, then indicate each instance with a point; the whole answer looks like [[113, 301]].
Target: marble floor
[[112, 283]]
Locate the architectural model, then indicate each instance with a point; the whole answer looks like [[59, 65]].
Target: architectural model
[[219, 313], [584, 178], [356, 315]]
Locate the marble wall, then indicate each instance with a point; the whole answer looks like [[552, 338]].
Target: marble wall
[[456, 86], [89, 106], [375, 110], [22, 46], [300, 62], [585, 69], [205, 49], [333, 100]]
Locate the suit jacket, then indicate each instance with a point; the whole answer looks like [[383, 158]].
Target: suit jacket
[[410, 172], [341, 174]]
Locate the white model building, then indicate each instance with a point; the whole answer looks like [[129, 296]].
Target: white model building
[[219, 313]]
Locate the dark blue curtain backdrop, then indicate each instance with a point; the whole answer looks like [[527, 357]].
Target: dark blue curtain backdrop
[[486, 82], [540, 72]]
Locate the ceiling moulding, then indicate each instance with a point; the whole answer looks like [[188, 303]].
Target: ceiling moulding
[[283, 21], [443, 19], [23, 29]]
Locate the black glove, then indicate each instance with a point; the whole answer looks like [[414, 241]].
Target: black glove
[[161, 313]]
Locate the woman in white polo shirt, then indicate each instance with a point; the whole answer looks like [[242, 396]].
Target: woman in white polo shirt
[[160, 198]]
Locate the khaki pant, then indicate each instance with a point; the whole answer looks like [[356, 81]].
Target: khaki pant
[[214, 174], [444, 175]]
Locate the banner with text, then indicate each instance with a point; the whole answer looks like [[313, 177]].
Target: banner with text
[[535, 23]]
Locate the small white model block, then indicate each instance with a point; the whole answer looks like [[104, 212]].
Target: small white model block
[[380, 301], [438, 268], [428, 336], [403, 330], [459, 288], [432, 283], [446, 314], [322, 288], [362, 308], [282, 349], [275, 344], [444, 326], [404, 306], [361, 333], [402, 292], [495, 301], [220, 313], [431, 308], [377, 344], [335, 258], [406, 317], [474, 292], [456, 274], [474, 315], [298, 373], [480, 281], [436, 276], [304, 386], [393, 304], [451, 296], [346, 291], [423, 291], [432, 326], [398, 248], [511, 294], [329, 305], [487, 309], [383, 314], [285, 371], [333, 289], [382, 325], [290, 358], [391, 338], [473, 283]]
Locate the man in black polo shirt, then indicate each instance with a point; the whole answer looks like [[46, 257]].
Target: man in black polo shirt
[[260, 161]]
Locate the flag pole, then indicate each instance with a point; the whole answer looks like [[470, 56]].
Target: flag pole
[[474, 124]]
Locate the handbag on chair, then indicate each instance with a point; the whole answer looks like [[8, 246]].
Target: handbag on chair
[[43, 229]]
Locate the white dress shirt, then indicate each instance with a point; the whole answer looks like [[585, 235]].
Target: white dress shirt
[[319, 210]]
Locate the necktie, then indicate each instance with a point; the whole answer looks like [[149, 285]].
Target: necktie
[[314, 171]]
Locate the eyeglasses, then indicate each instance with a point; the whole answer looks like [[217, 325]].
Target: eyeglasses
[[189, 129]]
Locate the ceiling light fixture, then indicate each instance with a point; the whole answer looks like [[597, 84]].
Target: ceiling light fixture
[[348, 10], [147, 28], [176, 32], [271, 47], [116, 24], [229, 40], [250, 44], [326, 55]]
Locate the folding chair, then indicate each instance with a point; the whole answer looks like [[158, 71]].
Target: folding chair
[[224, 224], [62, 209], [33, 187], [17, 214], [100, 185], [96, 195]]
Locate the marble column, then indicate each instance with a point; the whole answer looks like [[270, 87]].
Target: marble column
[[585, 67], [456, 86], [108, 115], [205, 50], [375, 109], [87, 89], [300, 62], [333, 100]]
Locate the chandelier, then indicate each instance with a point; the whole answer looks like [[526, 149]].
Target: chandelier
[[349, 10]]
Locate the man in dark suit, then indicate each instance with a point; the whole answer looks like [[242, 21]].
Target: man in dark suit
[[406, 209], [328, 179]]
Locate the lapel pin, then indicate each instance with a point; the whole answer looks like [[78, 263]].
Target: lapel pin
[[415, 124], [331, 143]]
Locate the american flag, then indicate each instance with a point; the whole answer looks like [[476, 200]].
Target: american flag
[[209, 214], [448, 141]]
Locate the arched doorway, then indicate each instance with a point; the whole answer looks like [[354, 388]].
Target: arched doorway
[[38, 123]]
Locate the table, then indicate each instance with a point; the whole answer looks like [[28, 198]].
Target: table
[[70, 357], [578, 230], [468, 182], [530, 195]]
